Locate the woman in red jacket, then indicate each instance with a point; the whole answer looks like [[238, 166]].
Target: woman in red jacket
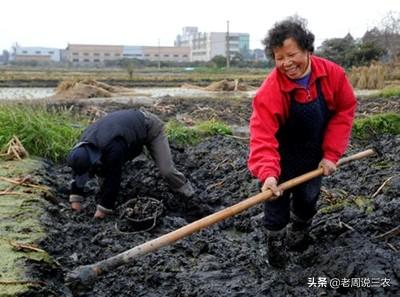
[[302, 118]]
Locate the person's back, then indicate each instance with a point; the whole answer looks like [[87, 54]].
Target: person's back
[[128, 124], [111, 141]]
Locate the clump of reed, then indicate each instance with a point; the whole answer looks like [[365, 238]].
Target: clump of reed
[[43, 131]]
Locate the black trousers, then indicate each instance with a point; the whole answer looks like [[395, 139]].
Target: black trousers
[[301, 200], [114, 157]]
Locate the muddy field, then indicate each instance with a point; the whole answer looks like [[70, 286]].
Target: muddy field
[[358, 205], [190, 105]]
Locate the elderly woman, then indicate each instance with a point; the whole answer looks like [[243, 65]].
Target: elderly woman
[[302, 118]]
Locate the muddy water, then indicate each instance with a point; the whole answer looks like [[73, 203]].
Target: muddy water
[[25, 93], [38, 93], [229, 258]]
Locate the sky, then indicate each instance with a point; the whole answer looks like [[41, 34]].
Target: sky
[[55, 23]]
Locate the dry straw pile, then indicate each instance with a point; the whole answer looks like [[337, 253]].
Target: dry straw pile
[[83, 89], [376, 76], [371, 78], [14, 150]]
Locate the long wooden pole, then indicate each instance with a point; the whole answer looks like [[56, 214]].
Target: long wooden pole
[[84, 275]]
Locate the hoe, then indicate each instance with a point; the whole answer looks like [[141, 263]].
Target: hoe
[[87, 274]]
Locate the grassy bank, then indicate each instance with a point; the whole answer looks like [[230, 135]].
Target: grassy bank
[[50, 133], [390, 92], [19, 224], [44, 132], [388, 123]]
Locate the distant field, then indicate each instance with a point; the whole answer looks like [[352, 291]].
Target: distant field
[[373, 77], [151, 77]]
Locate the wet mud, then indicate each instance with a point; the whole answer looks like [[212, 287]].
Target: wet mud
[[229, 258], [233, 110]]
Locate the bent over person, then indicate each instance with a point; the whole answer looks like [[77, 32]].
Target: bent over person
[[111, 141], [301, 120]]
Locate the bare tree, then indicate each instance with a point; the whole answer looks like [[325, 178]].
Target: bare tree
[[391, 22], [390, 29]]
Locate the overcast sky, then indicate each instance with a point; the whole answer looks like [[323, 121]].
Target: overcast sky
[[55, 23]]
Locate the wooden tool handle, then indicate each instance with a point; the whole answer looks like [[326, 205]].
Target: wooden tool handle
[[357, 156], [87, 274]]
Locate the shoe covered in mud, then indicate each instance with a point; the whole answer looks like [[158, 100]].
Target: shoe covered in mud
[[75, 202], [276, 248], [298, 238], [102, 212]]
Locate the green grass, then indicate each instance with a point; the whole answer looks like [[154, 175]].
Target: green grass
[[181, 134], [185, 135], [390, 92], [43, 132], [213, 127], [388, 123]]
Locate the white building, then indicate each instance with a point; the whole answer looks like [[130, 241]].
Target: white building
[[186, 37], [205, 46], [133, 52], [157, 53], [92, 54], [39, 54]]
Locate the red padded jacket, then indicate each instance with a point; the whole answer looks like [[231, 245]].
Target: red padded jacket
[[271, 106]]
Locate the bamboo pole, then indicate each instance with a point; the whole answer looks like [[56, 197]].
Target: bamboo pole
[[84, 275]]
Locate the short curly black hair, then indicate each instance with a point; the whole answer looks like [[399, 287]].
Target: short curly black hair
[[289, 28]]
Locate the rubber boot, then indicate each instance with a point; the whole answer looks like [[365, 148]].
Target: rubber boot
[[276, 248], [298, 238]]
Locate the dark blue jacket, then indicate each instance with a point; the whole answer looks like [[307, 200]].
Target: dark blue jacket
[[126, 124]]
